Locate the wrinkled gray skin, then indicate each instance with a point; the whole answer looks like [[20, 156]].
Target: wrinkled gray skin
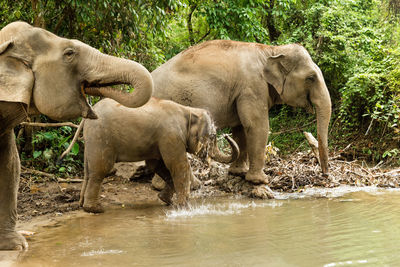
[[160, 132], [238, 83], [43, 73]]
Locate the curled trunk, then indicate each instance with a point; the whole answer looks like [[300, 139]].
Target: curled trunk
[[219, 156], [102, 70]]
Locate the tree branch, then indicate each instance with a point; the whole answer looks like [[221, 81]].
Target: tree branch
[[313, 144], [204, 36], [57, 124], [61, 180], [295, 129], [72, 142], [32, 171]]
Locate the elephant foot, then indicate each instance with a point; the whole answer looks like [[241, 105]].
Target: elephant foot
[[195, 183], [81, 201], [166, 195], [97, 208], [257, 178], [263, 192], [166, 199], [238, 169], [13, 241]]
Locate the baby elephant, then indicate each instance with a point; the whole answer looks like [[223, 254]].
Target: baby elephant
[[160, 132]]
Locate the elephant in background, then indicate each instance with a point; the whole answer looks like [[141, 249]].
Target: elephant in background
[[160, 132], [43, 73], [238, 83]]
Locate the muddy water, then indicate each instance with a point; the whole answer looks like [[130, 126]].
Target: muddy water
[[314, 228]]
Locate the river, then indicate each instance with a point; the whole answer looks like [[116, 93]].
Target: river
[[330, 227]]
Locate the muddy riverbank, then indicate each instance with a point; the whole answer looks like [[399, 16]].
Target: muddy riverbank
[[131, 184]]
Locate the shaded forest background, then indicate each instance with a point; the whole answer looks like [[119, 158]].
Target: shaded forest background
[[356, 43]]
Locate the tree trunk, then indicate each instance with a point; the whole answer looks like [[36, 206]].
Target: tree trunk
[[189, 23], [38, 20], [269, 22]]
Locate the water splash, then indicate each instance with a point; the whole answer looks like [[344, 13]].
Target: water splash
[[101, 252], [216, 209]]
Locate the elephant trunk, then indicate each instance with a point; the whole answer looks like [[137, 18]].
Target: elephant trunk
[[104, 70], [217, 155], [323, 112]]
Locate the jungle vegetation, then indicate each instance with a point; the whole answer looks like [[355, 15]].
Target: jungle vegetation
[[356, 43]]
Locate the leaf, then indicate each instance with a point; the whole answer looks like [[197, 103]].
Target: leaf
[[37, 154], [75, 149], [64, 141], [48, 135]]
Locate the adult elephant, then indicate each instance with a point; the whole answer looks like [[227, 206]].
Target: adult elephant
[[41, 72], [238, 83]]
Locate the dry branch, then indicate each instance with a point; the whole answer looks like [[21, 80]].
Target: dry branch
[[32, 171], [313, 144], [70, 180], [49, 175], [294, 129], [56, 124], [72, 142]]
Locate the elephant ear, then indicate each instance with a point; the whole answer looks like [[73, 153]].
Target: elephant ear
[[199, 126], [194, 126], [16, 77], [275, 72]]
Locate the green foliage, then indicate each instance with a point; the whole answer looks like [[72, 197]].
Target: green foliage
[[287, 125], [356, 43], [49, 145], [233, 19]]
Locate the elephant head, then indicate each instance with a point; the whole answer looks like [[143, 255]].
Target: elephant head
[[49, 73], [202, 138], [299, 82]]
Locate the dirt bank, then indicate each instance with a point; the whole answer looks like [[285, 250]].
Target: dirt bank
[[132, 184]]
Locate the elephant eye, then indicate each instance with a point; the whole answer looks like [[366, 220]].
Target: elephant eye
[[69, 53], [311, 78]]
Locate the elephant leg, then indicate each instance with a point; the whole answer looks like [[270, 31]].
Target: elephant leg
[[97, 166], [195, 183], [240, 166], [176, 161], [254, 118], [91, 201], [9, 182], [167, 192]]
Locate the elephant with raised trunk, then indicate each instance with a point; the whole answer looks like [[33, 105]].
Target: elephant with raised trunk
[[160, 132], [43, 73], [238, 83]]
